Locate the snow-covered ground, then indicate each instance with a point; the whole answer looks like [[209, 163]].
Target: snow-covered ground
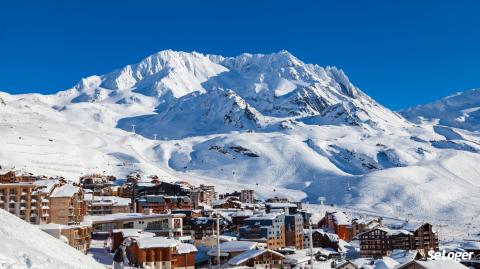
[[267, 122], [24, 246]]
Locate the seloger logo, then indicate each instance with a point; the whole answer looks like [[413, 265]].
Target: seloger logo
[[455, 256]]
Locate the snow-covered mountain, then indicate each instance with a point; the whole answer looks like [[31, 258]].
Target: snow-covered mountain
[[25, 246], [461, 110], [268, 122]]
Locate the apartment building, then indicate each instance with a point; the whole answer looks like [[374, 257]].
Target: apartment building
[[160, 224], [203, 195], [382, 241], [26, 201], [294, 236], [77, 236], [247, 196], [162, 252], [104, 205], [67, 205], [161, 204], [266, 228]]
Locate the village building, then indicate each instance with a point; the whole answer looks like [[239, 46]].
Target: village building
[[203, 195], [247, 196], [338, 223], [230, 249], [288, 208], [26, 201], [77, 236], [104, 205], [294, 236], [170, 225], [190, 215], [162, 252], [235, 194], [322, 239], [17, 177], [96, 182], [268, 229], [163, 204], [67, 205], [382, 241], [229, 202], [202, 227], [118, 236], [360, 225], [238, 219], [255, 258]]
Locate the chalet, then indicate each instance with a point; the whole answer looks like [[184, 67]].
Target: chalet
[[67, 205], [321, 239], [288, 208], [227, 203], [382, 241], [163, 204], [77, 236], [17, 177], [238, 219], [337, 222], [160, 224], [161, 252], [360, 225], [118, 236], [267, 228], [96, 182], [104, 205], [230, 249], [202, 227], [254, 258], [190, 214]]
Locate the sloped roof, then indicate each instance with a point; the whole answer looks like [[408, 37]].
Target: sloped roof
[[66, 190], [249, 254]]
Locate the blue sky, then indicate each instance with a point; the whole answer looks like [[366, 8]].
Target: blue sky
[[401, 53]]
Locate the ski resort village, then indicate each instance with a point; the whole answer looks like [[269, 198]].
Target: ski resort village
[[142, 221], [188, 160]]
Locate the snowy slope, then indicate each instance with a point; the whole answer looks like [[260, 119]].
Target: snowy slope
[[25, 246], [268, 122]]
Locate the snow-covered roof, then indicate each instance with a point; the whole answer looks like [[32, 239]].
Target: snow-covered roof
[[129, 216], [133, 233], [110, 200], [270, 216], [385, 263], [403, 256], [66, 190], [441, 264], [234, 246], [183, 248], [46, 185], [243, 213], [250, 254], [164, 242], [280, 205], [157, 242], [340, 218]]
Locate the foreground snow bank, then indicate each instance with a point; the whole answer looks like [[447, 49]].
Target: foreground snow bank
[[23, 245]]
